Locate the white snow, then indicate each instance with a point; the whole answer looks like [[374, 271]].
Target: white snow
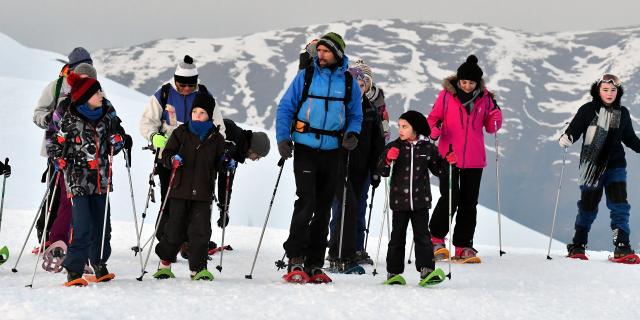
[[519, 285]]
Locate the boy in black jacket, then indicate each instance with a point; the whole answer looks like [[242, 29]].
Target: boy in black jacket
[[410, 195], [195, 151]]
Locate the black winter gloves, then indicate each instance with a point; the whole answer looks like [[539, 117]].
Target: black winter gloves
[[350, 141]]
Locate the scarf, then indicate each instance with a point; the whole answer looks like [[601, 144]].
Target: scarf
[[200, 128], [595, 151], [90, 114], [467, 99]]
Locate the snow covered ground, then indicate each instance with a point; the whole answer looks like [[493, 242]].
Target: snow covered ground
[[520, 285]]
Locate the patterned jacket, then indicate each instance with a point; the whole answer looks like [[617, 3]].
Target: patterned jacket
[[85, 147]]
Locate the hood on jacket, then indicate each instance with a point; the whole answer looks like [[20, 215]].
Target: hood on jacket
[[449, 84]]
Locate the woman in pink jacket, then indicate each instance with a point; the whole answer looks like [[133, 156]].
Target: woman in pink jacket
[[462, 110]]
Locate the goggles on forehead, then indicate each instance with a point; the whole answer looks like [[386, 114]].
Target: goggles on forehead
[[609, 78]]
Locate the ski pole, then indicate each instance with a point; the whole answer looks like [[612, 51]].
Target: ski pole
[[450, 209], [411, 251], [498, 190], [266, 220], [385, 213], [106, 205], [366, 239], [555, 209], [33, 224], [344, 205], [127, 159], [46, 221], [4, 187], [164, 202], [150, 194], [226, 212]]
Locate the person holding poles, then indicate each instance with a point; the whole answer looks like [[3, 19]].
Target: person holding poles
[[90, 135], [195, 151]]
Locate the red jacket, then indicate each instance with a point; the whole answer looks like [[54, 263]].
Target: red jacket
[[450, 121]]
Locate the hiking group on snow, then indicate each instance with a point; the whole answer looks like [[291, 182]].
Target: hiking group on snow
[[333, 121]]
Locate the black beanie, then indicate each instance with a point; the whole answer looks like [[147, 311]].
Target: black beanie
[[470, 70], [417, 121], [204, 101]]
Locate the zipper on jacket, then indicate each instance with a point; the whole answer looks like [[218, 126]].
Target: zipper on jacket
[[184, 114], [466, 139], [97, 140], [411, 179]]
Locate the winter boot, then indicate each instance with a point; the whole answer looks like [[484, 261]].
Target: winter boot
[[393, 278], [295, 271], [74, 279], [362, 257], [101, 273], [440, 251], [466, 255], [296, 264], [317, 275], [577, 251]]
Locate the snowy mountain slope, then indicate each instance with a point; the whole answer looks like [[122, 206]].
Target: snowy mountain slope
[[520, 285], [540, 81]]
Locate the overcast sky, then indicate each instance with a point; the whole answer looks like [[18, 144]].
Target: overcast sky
[[60, 25]]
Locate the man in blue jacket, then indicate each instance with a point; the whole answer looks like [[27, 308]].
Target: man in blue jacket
[[320, 113]]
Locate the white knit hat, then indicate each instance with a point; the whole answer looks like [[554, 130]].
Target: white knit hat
[[186, 72]]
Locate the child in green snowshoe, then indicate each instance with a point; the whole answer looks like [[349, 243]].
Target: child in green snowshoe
[[195, 150], [408, 159]]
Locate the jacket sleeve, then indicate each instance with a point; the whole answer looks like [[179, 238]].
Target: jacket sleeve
[[580, 122], [45, 106], [493, 118], [218, 121], [287, 108], [377, 143], [629, 136], [436, 116], [116, 128], [384, 169], [171, 149], [54, 125], [151, 119], [354, 109], [56, 146], [437, 164]]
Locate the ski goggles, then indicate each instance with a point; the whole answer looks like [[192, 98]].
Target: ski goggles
[[609, 78]]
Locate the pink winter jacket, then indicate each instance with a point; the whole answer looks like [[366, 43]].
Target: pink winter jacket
[[450, 122]]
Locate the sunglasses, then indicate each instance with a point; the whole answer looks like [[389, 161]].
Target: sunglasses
[[183, 85], [609, 78]]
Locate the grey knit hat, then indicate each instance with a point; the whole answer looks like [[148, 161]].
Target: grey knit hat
[[260, 144], [85, 68], [78, 56]]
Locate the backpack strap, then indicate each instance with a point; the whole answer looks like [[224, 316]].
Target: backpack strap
[[56, 93], [303, 126]]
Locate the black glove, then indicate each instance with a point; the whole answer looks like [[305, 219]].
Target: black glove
[[226, 222], [128, 145], [350, 141], [286, 149], [375, 180], [5, 168]]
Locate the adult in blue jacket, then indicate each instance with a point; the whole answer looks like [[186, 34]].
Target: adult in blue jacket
[[317, 126]]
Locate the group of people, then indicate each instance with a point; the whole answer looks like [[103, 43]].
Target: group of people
[[333, 121]]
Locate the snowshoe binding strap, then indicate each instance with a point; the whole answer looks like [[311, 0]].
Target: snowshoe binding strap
[[318, 276], [435, 277], [203, 275], [54, 256], [4, 254], [628, 259], [296, 276], [163, 273], [396, 279]]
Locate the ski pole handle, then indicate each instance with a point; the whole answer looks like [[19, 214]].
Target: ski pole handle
[[281, 161]]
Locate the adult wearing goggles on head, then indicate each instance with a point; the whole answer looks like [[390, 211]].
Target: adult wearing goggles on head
[[604, 124], [169, 107]]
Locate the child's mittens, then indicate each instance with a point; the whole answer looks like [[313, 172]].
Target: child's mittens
[[176, 161], [392, 154]]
